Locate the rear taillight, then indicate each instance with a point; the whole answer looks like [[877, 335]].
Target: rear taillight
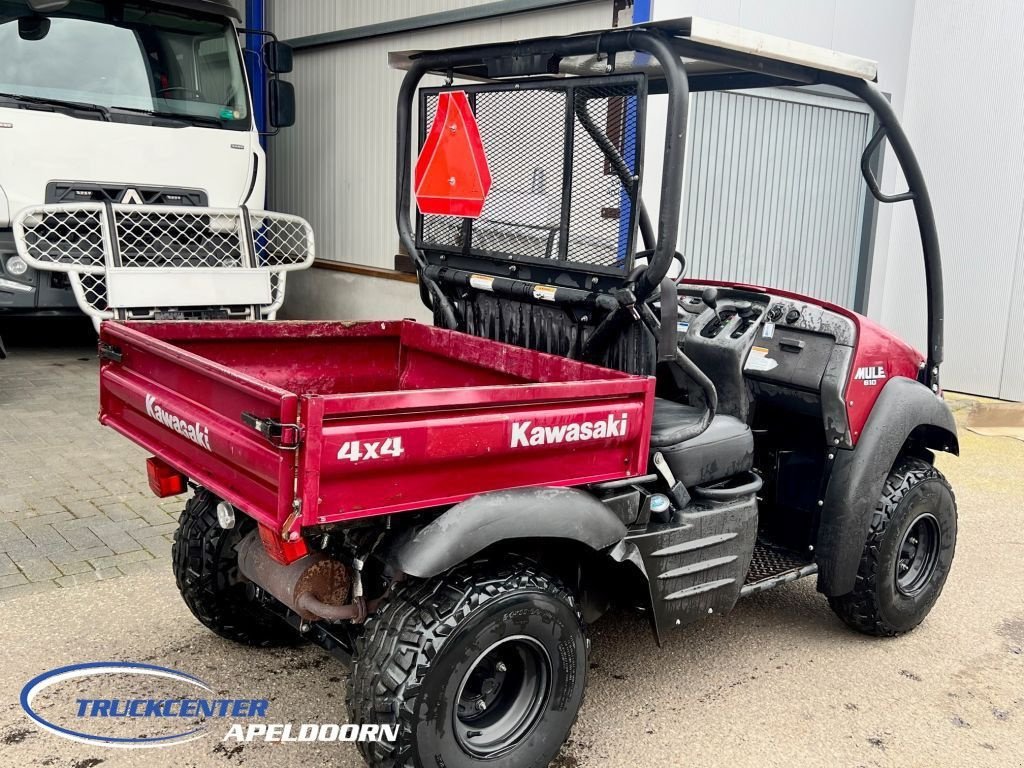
[[281, 550], [164, 480]]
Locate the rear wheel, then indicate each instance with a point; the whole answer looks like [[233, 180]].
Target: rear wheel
[[206, 571], [484, 665], [907, 555]]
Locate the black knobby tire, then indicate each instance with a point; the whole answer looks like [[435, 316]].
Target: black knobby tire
[[896, 585], [415, 657], [206, 571]]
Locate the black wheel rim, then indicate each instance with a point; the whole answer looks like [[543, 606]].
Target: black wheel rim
[[502, 696], [918, 552]]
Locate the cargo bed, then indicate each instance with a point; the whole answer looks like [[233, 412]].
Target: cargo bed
[[307, 423]]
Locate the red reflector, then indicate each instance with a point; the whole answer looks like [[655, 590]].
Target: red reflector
[[164, 480], [452, 177], [282, 551]]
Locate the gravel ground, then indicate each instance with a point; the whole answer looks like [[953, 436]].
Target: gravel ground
[[778, 682]]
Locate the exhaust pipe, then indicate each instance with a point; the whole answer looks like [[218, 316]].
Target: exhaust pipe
[[315, 587]]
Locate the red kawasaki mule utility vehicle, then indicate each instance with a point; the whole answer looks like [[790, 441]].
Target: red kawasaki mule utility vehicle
[[448, 507]]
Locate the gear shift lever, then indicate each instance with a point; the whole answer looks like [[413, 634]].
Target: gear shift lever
[[710, 297]]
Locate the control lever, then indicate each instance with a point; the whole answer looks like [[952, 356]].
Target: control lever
[[676, 489], [710, 297]]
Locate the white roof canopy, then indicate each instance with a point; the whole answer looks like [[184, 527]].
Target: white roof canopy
[[719, 35], [705, 33]]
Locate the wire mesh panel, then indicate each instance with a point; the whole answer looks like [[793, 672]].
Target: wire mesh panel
[[66, 237], [564, 159], [280, 240], [92, 289], [95, 242], [156, 236]]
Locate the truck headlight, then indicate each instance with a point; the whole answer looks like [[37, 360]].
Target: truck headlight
[[16, 266]]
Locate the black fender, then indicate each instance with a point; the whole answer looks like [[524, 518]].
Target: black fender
[[490, 518], [904, 408]]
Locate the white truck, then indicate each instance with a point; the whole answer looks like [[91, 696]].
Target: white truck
[[132, 178]]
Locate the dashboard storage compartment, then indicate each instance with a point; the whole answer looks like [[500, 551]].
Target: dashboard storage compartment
[[791, 356]]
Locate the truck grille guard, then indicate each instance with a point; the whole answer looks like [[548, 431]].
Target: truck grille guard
[[121, 260]]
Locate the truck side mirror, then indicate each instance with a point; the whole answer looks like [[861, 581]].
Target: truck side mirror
[[277, 57], [281, 103]]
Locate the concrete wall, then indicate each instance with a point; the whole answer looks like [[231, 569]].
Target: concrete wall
[[966, 117]]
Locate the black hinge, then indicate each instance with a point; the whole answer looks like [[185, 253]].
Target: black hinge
[[110, 352], [286, 436]]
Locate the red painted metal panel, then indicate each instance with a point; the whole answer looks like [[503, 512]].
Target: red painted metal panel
[[395, 416], [379, 463], [879, 357], [187, 411]]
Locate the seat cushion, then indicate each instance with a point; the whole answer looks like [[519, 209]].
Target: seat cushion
[[724, 449]]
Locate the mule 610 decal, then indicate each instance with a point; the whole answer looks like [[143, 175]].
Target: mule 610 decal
[[869, 374]]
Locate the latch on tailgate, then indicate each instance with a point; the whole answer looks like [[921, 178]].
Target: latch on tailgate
[[280, 435], [110, 352]]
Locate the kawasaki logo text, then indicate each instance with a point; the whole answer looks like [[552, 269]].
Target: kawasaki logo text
[[525, 434], [194, 431]]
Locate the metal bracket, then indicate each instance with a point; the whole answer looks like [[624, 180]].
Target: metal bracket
[[284, 436], [287, 532], [110, 352]]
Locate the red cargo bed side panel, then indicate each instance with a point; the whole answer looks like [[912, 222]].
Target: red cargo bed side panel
[[389, 462], [378, 453], [187, 410]]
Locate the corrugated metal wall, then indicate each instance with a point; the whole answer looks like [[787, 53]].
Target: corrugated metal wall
[[336, 166], [773, 192], [965, 116], [297, 18]]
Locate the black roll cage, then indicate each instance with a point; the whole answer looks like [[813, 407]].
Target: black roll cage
[[668, 46]]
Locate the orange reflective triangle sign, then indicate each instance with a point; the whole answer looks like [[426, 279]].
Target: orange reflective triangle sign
[[452, 177]]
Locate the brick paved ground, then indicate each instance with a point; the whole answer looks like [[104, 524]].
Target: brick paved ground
[[74, 503]]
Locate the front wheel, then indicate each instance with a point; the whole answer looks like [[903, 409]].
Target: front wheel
[[908, 553], [483, 665]]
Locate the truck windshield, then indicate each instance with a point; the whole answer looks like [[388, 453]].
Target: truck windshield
[[143, 59]]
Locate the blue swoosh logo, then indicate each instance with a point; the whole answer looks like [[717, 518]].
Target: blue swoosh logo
[[37, 685]]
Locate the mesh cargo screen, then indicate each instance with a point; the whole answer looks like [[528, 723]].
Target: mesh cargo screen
[[556, 197]]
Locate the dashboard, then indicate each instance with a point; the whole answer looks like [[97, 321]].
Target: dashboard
[[777, 346]]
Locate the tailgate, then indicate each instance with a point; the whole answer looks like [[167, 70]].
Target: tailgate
[[188, 411]]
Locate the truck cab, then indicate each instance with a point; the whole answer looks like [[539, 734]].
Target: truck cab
[[125, 103]]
